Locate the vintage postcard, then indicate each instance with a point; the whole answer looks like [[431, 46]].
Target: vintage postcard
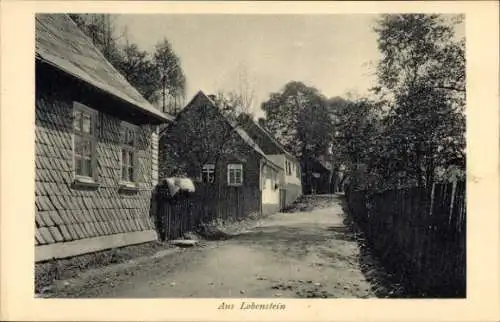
[[250, 161]]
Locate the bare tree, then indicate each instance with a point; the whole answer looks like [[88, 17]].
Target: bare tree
[[240, 98]]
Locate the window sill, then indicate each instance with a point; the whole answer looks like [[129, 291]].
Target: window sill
[[84, 182], [128, 187], [234, 185]]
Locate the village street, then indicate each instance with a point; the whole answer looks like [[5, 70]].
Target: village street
[[301, 254]]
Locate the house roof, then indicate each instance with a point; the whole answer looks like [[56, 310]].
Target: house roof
[[237, 128], [61, 44], [315, 164], [250, 124]]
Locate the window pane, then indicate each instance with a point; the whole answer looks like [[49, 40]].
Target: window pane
[[231, 176], [130, 138], [123, 135], [77, 120], [86, 123], [124, 158], [131, 174], [86, 148], [84, 167], [131, 158], [88, 167], [78, 145], [124, 173], [78, 165]]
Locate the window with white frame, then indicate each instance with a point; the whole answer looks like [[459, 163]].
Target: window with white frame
[[84, 141], [128, 154], [208, 173], [235, 174]]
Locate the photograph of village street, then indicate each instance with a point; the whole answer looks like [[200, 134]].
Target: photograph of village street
[[250, 156]]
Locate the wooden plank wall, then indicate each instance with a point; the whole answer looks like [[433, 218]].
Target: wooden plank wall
[[186, 212], [419, 234]]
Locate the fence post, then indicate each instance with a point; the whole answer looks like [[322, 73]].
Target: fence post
[[431, 203], [452, 200]]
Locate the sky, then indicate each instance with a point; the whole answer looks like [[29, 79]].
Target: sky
[[330, 52]]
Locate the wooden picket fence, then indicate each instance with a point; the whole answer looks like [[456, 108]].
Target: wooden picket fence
[[185, 212], [419, 234]]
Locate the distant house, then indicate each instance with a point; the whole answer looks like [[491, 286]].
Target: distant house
[[96, 147], [205, 145], [316, 176], [290, 178]]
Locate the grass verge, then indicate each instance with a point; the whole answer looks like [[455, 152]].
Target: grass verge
[[46, 273]]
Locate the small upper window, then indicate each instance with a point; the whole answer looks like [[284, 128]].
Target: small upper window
[[208, 173], [235, 174], [128, 154], [84, 141]]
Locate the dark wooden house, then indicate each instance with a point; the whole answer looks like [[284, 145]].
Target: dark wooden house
[[207, 146], [96, 147], [316, 176]]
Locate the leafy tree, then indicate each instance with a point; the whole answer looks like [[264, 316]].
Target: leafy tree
[[139, 70], [358, 134], [156, 76], [299, 119], [420, 48], [423, 69]]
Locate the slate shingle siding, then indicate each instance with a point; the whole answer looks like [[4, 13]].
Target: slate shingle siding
[[64, 213]]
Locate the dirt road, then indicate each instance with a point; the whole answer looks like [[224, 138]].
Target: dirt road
[[301, 254]]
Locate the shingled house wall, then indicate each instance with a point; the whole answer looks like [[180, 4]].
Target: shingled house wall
[[72, 221]]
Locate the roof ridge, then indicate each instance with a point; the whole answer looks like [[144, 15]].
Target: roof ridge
[[272, 138], [236, 127]]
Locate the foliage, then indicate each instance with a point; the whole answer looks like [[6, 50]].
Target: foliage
[[420, 48], [299, 118], [140, 71], [173, 80], [423, 67], [155, 75], [415, 129]]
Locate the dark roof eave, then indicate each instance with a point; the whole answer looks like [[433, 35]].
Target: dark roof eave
[[274, 141], [157, 118]]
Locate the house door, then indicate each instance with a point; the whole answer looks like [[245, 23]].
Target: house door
[[270, 197]]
